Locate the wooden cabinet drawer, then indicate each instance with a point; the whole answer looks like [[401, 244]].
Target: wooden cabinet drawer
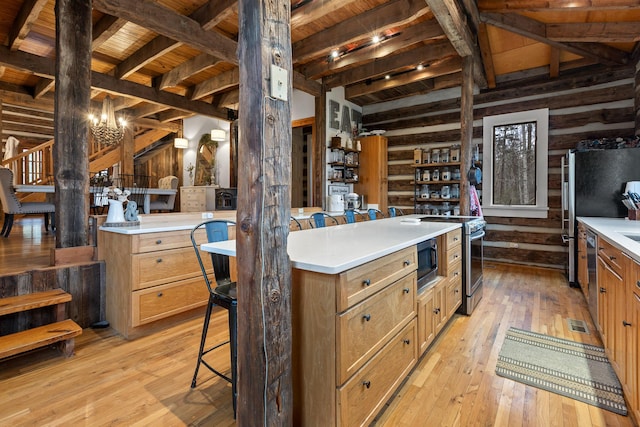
[[162, 301], [453, 255], [149, 242], [365, 328], [156, 268], [363, 396], [611, 255], [361, 282], [454, 293], [453, 238]]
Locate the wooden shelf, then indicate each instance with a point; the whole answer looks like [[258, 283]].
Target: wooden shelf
[[437, 182], [440, 199], [432, 165]]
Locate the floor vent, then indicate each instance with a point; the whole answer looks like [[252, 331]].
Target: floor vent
[[578, 326]]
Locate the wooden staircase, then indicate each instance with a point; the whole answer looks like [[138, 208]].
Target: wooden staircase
[[61, 332]]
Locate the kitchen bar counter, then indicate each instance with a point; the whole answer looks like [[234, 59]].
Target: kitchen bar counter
[[615, 230], [335, 249]]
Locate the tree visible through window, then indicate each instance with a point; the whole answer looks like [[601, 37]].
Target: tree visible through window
[[514, 167]]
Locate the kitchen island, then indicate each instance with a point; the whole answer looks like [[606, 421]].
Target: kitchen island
[[355, 319], [615, 295]]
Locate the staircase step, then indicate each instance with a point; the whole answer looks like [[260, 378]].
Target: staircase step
[[34, 300], [41, 336]]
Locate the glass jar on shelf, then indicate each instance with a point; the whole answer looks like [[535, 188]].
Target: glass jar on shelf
[[435, 155], [446, 174], [455, 153], [435, 175], [455, 175], [455, 191], [445, 192], [444, 155], [426, 175], [424, 191]]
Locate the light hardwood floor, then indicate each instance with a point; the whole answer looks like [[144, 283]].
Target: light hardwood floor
[[112, 381]]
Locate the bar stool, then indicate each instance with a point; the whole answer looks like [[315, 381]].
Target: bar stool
[[319, 219], [352, 216], [393, 212], [224, 295], [373, 214], [294, 224]]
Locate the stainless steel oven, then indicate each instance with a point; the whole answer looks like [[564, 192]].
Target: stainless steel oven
[[473, 229]]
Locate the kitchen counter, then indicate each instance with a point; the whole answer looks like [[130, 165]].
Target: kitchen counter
[[335, 249], [615, 230]]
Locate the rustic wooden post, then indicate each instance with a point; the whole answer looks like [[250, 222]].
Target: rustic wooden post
[[72, 99], [636, 91], [319, 151], [264, 273], [466, 134], [126, 153]]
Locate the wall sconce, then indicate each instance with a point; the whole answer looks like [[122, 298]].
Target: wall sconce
[[218, 135]]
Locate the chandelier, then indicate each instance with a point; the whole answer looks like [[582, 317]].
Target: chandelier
[[106, 130]]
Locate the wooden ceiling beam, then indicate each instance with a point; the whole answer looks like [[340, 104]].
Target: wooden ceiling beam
[[554, 63], [480, 29], [411, 58], [596, 32], [156, 124], [229, 99], [173, 114], [454, 24], [506, 6], [379, 19], [449, 65], [215, 84], [43, 86], [149, 110], [536, 30], [104, 29], [27, 15], [423, 31], [21, 96], [315, 10], [185, 70]]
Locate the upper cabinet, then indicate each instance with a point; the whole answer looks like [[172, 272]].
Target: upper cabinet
[[373, 170]]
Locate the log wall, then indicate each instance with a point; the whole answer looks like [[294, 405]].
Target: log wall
[[594, 104]]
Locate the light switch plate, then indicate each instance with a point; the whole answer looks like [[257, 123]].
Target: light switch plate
[[279, 82]]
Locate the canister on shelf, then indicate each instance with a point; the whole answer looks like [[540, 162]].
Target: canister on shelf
[[417, 156], [426, 175], [426, 156], [435, 175], [424, 192], [455, 191], [444, 155], [445, 192], [435, 155], [455, 153], [446, 174], [455, 175]]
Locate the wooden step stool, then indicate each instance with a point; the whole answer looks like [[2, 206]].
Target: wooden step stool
[[62, 332]]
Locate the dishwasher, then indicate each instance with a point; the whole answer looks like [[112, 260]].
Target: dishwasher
[[592, 261]]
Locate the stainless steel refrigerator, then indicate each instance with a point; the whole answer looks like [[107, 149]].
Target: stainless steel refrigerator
[[592, 185]]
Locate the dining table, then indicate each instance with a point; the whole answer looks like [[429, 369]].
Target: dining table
[[50, 189]]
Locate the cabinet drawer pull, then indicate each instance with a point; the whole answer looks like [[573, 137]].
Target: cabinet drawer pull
[[406, 341], [600, 248], [625, 323], [612, 258], [407, 263], [367, 317], [457, 273], [456, 291], [159, 294], [455, 256], [638, 284], [405, 290], [159, 260], [366, 282], [603, 291], [455, 239], [436, 310], [158, 241], [366, 383]]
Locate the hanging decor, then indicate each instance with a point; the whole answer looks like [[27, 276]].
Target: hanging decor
[[180, 141], [218, 135], [106, 130]]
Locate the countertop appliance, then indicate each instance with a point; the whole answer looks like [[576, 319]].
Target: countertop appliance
[[351, 201], [336, 202], [473, 257], [592, 185]]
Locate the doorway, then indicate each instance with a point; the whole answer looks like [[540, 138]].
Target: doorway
[[302, 136]]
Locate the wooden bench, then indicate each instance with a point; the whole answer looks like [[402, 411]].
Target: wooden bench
[[62, 331]]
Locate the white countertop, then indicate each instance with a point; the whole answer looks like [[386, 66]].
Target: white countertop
[[614, 230], [338, 248], [155, 223]]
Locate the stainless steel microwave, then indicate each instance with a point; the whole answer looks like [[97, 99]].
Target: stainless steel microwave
[[427, 262]]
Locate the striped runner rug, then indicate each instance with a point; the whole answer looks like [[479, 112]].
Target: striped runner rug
[[576, 370]]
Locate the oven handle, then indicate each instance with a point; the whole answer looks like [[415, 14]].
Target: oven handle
[[477, 235]]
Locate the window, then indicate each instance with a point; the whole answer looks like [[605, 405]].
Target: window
[[515, 164]]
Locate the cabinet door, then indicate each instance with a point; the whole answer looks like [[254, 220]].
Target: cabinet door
[[609, 282], [583, 272], [633, 356], [426, 325], [439, 303]]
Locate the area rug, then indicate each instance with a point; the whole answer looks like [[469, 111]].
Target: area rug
[[576, 370]]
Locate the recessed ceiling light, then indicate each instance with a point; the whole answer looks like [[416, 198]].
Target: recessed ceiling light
[[387, 77], [420, 67], [375, 39], [335, 53]]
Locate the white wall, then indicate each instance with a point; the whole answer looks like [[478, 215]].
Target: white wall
[[194, 127], [303, 105]]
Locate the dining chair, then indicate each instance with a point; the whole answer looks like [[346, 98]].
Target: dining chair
[[98, 200], [352, 216], [319, 219], [393, 212], [165, 202], [374, 213], [223, 294], [12, 206]]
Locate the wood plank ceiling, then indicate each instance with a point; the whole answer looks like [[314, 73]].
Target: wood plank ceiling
[[170, 59]]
